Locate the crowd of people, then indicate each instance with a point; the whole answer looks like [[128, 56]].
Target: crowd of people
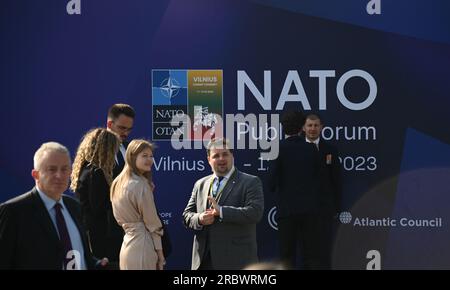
[[112, 220]]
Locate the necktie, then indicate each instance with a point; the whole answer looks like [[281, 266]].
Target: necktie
[[120, 160], [216, 187], [63, 233]]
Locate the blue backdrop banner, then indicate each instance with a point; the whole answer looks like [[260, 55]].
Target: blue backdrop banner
[[376, 71]]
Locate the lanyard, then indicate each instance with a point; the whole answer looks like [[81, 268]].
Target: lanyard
[[219, 192]]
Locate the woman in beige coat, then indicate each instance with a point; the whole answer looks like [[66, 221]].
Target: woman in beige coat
[[134, 209]]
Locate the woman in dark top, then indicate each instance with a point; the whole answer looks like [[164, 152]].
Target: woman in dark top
[[91, 181]]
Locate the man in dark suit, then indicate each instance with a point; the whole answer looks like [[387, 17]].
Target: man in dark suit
[[42, 228], [330, 167], [223, 210], [330, 186], [294, 178], [120, 121]]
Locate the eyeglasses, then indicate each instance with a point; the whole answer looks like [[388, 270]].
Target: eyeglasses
[[123, 128]]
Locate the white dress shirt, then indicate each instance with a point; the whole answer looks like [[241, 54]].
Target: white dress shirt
[[75, 238]]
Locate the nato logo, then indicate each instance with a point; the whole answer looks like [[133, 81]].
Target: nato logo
[[191, 94], [169, 87]]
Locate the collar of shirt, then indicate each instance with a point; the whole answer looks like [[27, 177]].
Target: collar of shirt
[[315, 141], [226, 177], [121, 151], [48, 202]]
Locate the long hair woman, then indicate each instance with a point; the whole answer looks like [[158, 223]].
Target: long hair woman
[[91, 180], [135, 210]]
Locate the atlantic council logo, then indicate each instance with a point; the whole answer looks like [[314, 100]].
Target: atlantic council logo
[[190, 94], [345, 217]]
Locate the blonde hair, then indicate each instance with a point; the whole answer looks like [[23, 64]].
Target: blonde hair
[[98, 147], [134, 148], [48, 147]]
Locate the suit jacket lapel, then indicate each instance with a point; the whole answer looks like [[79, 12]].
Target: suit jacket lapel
[[228, 187], [205, 191], [43, 217]]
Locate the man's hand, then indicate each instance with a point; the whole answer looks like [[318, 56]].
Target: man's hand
[[206, 217], [104, 262], [215, 208]]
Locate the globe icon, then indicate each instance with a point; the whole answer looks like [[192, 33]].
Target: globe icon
[[345, 217]]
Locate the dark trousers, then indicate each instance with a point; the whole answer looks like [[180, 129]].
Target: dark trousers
[[206, 263], [313, 232]]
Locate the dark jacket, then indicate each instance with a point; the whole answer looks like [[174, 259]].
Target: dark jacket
[[294, 177], [104, 234], [330, 177], [28, 238], [118, 167]]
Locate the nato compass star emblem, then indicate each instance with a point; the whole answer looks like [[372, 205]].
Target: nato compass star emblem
[[170, 88]]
